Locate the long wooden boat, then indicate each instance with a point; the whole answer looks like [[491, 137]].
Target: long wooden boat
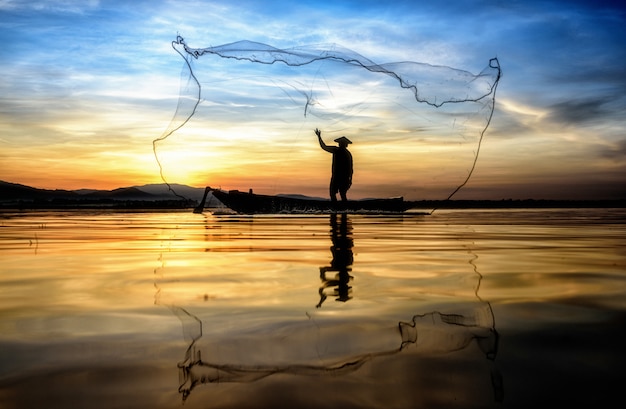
[[252, 203]]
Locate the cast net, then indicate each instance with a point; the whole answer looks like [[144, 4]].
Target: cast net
[[247, 111]]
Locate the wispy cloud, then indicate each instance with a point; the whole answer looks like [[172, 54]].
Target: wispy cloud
[[65, 6]]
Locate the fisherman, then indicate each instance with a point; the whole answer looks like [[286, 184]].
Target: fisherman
[[341, 178]]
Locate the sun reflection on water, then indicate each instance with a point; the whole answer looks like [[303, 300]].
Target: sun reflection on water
[[378, 306]]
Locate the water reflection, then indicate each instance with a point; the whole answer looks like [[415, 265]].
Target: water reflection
[[253, 346], [341, 250], [78, 328], [430, 332]]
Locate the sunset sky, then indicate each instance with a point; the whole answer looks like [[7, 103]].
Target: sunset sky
[[86, 86]]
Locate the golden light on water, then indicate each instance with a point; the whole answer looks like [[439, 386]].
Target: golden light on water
[[201, 301]]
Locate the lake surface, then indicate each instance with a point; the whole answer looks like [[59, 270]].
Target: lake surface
[[458, 309]]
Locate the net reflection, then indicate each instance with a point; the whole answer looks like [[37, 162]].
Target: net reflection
[[341, 250], [255, 344], [431, 332]]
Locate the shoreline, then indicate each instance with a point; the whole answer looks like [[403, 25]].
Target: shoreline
[[111, 204]]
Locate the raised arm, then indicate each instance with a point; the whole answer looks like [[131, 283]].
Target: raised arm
[[322, 144]]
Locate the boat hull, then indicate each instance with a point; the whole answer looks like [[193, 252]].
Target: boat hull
[[251, 203]]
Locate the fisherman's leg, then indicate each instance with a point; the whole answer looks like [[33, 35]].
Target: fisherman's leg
[[333, 192], [343, 186], [342, 193], [343, 190]]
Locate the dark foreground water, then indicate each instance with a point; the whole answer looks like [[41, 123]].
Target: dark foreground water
[[459, 309]]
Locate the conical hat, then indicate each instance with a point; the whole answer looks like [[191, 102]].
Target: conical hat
[[343, 139]]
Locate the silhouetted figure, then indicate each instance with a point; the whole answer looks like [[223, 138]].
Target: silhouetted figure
[[341, 178], [341, 237]]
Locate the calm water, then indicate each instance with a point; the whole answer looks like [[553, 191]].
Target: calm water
[[459, 309]]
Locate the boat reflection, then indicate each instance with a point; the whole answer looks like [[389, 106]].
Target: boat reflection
[[341, 250]]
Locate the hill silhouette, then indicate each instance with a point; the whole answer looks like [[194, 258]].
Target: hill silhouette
[[159, 196], [21, 196]]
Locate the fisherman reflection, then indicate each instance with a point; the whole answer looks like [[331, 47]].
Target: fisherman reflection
[[341, 236]]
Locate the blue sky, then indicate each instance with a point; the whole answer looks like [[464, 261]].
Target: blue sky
[[87, 85]]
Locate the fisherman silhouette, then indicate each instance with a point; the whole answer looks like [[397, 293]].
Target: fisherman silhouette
[[341, 178]]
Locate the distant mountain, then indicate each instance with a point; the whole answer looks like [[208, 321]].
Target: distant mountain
[[123, 193], [162, 190], [14, 192]]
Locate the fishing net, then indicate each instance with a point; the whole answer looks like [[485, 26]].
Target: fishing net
[[247, 111]]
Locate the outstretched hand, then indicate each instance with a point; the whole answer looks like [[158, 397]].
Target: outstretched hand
[[318, 133]]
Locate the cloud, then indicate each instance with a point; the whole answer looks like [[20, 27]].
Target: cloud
[[582, 111], [69, 6], [615, 151]]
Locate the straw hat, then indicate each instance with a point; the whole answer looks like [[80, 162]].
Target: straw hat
[[344, 140]]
